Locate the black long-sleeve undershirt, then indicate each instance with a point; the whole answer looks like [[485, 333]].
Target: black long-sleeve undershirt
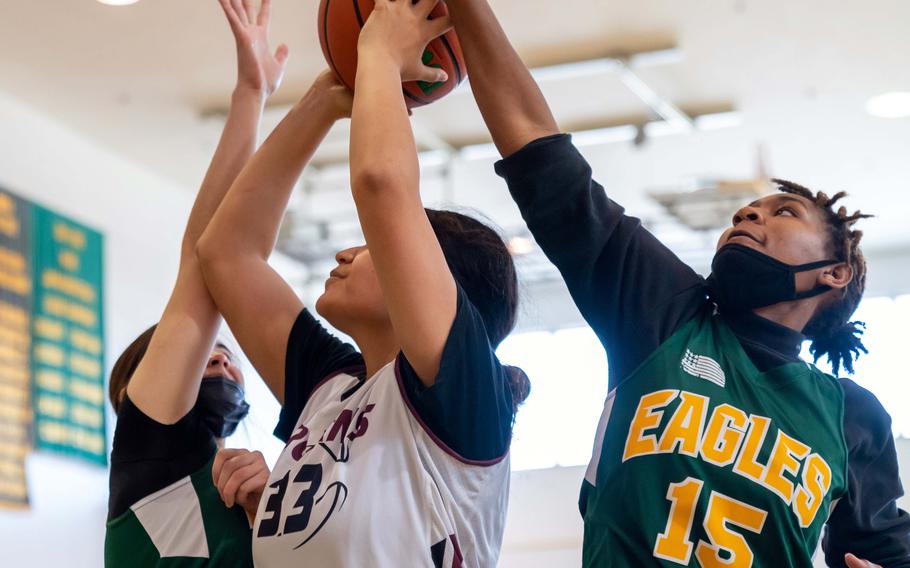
[[635, 293]]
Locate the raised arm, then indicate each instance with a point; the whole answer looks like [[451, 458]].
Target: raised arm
[[257, 303], [166, 382], [515, 115], [417, 285], [630, 288]]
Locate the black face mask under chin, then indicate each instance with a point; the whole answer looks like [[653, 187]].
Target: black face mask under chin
[[745, 279], [220, 405]]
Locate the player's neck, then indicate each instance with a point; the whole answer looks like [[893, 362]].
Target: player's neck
[[794, 315], [378, 346]]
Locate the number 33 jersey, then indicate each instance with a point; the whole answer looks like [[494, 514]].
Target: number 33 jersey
[[362, 483], [701, 460]]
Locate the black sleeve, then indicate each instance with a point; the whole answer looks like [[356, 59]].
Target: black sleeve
[[469, 407], [631, 289], [148, 456], [866, 521], [313, 354]]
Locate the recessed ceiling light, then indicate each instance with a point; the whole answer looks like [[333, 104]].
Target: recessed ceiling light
[[118, 2], [890, 105]]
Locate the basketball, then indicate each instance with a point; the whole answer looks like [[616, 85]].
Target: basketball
[[340, 22]]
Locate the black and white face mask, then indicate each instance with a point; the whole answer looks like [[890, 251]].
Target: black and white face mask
[[221, 405], [745, 279]]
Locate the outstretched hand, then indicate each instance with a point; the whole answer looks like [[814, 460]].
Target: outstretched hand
[[401, 30], [258, 69]]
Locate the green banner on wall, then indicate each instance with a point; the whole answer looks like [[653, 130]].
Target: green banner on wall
[[68, 340], [15, 348]]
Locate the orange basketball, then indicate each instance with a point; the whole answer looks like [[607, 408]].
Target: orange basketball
[[340, 22]]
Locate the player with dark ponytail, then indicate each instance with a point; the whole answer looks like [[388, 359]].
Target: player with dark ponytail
[[397, 450], [718, 445]]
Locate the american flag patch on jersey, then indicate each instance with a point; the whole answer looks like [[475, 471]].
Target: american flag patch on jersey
[[704, 368]]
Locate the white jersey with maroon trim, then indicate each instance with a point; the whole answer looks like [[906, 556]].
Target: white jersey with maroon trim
[[363, 483]]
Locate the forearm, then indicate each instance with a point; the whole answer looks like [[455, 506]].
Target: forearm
[[237, 144], [383, 151], [248, 220], [418, 288], [509, 99], [166, 384]]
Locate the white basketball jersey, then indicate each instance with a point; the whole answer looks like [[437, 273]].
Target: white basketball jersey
[[363, 483]]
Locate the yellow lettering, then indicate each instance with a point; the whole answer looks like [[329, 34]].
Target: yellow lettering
[[724, 435], [784, 459], [746, 464], [724, 511], [684, 428], [808, 497], [638, 443]]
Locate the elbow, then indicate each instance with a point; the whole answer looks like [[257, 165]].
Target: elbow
[[375, 180], [206, 251]]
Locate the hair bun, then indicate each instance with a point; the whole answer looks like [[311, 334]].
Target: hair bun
[[519, 383]]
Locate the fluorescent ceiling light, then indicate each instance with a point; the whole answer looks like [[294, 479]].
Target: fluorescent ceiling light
[[895, 104], [118, 2]]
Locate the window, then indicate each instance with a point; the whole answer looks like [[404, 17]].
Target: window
[[568, 372]]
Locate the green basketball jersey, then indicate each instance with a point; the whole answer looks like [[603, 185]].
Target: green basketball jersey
[[186, 524], [702, 460]]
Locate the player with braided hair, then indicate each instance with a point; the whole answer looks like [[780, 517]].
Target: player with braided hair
[[718, 445], [831, 332]]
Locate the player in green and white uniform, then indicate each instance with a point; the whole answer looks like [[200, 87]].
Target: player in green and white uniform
[[718, 446], [177, 394]]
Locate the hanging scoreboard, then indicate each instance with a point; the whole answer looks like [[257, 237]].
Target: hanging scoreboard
[[51, 341], [67, 354], [15, 349]]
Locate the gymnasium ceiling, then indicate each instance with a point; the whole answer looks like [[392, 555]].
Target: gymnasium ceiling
[[150, 80]]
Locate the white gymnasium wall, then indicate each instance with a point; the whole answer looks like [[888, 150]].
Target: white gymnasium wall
[[141, 216]]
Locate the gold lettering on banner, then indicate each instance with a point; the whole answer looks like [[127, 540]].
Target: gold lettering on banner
[[14, 394], [15, 338], [13, 316], [50, 380], [52, 406], [57, 433], [16, 283], [86, 416], [13, 451], [69, 260], [49, 355], [71, 311], [69, 285], [13, 431], [89, 392], [9, 223], [85, 342], [13, 356], [67, 235], [11, 260], [11, 469], [15, 413], [49, 329], [14, 489], [13, 374], [84, 366]]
